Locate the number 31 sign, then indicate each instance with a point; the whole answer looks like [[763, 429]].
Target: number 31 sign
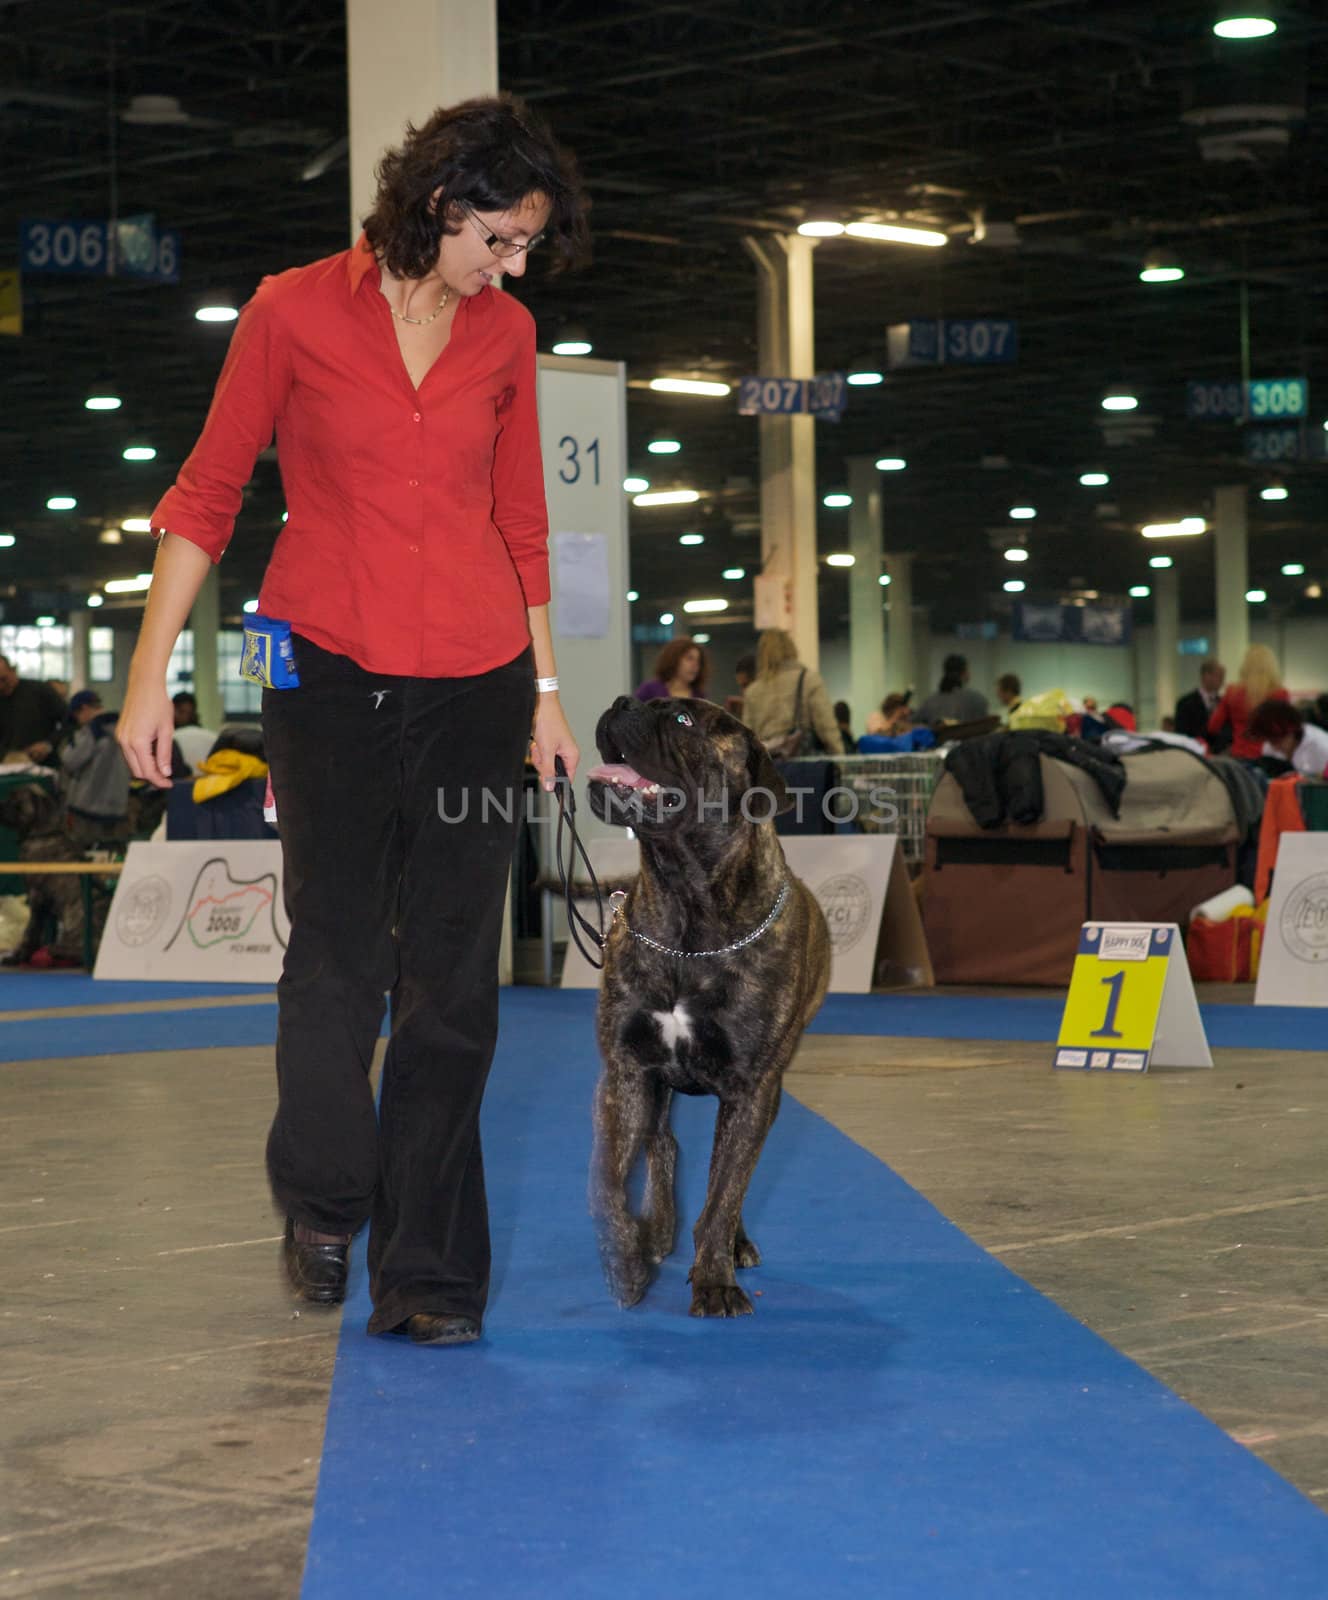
[[1131, 1002]]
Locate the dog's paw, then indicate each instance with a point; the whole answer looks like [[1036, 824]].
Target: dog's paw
[[720, 1300], [657, 1241], [627, 1278], [745, 1253]]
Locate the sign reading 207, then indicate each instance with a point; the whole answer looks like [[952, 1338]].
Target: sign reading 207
[[577, 458]]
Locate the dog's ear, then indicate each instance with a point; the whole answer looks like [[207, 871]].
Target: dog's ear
[[764, 776]]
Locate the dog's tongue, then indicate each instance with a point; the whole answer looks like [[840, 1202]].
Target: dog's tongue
[[620, 773]]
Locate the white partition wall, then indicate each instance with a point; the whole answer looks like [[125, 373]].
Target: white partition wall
[[583, 431]]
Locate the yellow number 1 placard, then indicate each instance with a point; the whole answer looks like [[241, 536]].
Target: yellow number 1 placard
[[1131, 1002]]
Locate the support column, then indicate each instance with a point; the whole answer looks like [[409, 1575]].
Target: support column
[[1166, 638], [899, 667], [923, 678], [80, 624], [866, 597], [786, 348], [205, 620], [403, 62], [1232, 563]]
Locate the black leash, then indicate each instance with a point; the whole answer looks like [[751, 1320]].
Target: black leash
[[567, 816]]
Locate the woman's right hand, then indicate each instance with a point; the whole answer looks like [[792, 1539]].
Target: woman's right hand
[[144, 732]]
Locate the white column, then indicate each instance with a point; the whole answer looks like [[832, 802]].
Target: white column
[[866, 623], [79, 624], [900, 671], [1232, 564], [775, 440], [205, 620], [802, 476], [1166, 638], [404, 60], [923, 679]]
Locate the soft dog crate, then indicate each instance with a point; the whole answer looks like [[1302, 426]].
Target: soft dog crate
[[1005, 904]]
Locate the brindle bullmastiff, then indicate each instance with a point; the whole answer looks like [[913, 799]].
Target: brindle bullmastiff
[[713, 966]]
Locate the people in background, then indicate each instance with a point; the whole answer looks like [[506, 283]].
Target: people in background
[[895, 716], [773, 711], [95, 774], [1009, 691], [195, 742], [1284, 732], [682, 670], [1260, 680], [743, 672], [1194, 710], [844, 717], [30, 715], [954, 701]]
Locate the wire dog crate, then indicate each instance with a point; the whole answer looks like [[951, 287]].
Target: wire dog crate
[[892, 793]]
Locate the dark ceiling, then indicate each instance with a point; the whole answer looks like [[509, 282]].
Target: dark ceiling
[[1080, 124]]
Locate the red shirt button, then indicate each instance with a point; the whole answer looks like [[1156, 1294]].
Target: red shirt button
[[415, 548], [417, 416], [414, 483]]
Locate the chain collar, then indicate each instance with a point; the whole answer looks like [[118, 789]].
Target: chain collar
[[619, 896]]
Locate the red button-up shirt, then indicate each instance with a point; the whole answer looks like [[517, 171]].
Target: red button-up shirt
[[417, 531]]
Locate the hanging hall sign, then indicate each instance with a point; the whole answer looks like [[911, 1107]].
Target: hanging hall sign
[[821, 396], [1260, 400], [953, 342], [73, 247]]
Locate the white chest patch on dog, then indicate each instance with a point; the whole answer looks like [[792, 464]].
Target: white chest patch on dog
[[674, 1025]]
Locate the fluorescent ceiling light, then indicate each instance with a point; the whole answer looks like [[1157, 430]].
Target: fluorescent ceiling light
[[138, 452], [216, 314], [633, 594], [664, 447], [1160, 561], [691, 538], [1140, 591], [635, 485], [694, 607], [573, 347], [1094, 480], [61, 502], [821, 230], [701, 638], [129, 585], [1023, 513], [250, 606], [691, 386], [1292, 569], [667, 497], [734, 573], [1016, 553], [884, 580], [1161, 274], [897, 463], [1014, 586], [837, 502], [1118, 400], [841, 559], [666, 619], [95, 600], [1244, 27], [137, 525], [103, 402], [45, 622], [7, 540], [890, 233], [1186, 528], [1274, 491], [1254, 596], [1313, 591], [865, 380]]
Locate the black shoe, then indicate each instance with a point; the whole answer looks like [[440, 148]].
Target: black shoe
[[317, 1272], [426, 1328]]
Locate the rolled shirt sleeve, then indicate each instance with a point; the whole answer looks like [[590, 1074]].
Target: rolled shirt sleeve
[[205, 499], [519, 509]]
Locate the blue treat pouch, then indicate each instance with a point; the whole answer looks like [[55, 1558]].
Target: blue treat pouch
[[268, 656]]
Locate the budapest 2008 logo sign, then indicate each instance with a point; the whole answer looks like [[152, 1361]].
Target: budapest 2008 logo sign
[[223, 909], [1304, 919]]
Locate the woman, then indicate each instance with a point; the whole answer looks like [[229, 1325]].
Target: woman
[[413, 574], [786, 696], [682, 670], [1259, 680], [1284, 732], [953, 701]]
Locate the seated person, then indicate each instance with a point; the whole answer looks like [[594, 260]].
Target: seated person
[[1286, 734]]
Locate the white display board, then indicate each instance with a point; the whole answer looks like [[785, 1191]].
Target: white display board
[[1293, 963], [205, 910], [862, 886]]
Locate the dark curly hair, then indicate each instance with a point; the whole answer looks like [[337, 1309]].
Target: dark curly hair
[[670, 657], [489, 154]]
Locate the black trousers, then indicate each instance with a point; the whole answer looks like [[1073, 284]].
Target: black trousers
[[383, 894]]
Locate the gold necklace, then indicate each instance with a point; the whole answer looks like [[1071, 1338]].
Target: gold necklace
[[422, 322]]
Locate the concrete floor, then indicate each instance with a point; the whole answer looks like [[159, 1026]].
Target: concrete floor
[[162, 1402]]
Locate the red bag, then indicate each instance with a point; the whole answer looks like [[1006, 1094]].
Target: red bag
[[1228, 951]]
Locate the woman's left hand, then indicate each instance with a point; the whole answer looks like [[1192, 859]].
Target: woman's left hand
[[550, 736]]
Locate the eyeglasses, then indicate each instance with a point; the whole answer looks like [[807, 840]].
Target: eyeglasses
[[504, 249]]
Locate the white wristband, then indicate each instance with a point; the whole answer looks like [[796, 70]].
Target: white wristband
[[546, 685]]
